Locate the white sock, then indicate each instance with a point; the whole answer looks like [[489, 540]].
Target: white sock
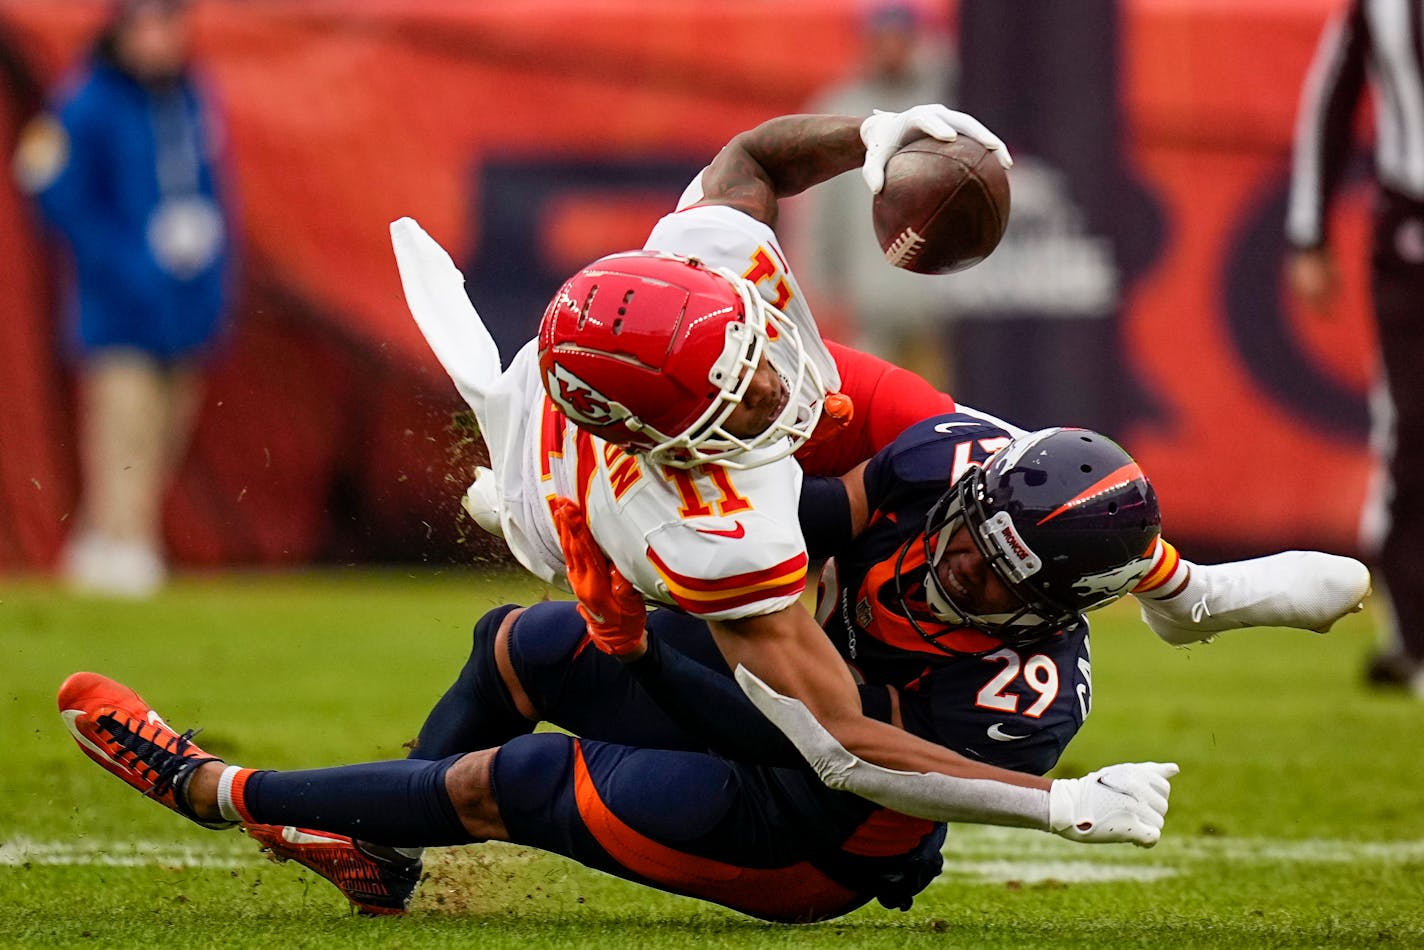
[[225, 805]]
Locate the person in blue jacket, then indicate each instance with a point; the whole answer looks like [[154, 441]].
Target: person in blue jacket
[[125, 167]]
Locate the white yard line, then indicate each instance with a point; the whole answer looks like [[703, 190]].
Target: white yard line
[[997, 855], [128, 854], [1032, 872], [972, 854]]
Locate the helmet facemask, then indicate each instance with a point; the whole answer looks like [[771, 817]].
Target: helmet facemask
[[1065, 519], [1036, 617], [767, 332]]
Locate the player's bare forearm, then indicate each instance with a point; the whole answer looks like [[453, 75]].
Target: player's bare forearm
[[791, 653], [779, 158]]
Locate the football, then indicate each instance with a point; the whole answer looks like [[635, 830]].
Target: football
[[944, 205]]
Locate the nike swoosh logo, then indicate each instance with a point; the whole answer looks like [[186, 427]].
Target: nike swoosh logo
[[293, 835], [997, 733], [948, 426], [1113, 788], [69, 715], [740, 531]]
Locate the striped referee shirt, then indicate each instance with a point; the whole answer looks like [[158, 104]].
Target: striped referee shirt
[[1382, 40]]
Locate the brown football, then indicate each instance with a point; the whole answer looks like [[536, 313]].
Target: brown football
[[944, 205]]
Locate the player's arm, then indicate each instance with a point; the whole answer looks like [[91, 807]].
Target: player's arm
[[814, 701], [832, 511], [709, 705], [1332, 89], [786, 155], [779, 158], [786, 646], [790, 652], [702, 701]]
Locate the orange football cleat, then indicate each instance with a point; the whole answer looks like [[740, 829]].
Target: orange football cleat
[[117, 729], [375, 883]]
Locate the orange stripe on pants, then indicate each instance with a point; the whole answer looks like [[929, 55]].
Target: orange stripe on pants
[[797, 892]]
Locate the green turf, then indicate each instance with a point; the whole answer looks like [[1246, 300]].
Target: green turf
[[1298, 820]]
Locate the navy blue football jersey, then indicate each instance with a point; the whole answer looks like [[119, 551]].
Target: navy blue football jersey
[[1016, 708]]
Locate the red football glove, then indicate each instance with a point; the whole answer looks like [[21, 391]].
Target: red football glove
[[611, 607]]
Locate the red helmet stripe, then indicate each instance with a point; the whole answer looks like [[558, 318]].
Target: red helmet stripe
[[1126, 475]]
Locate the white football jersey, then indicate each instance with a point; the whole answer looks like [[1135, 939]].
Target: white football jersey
[[718, 543]]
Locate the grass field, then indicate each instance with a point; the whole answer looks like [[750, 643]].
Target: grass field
[[1297, 821]]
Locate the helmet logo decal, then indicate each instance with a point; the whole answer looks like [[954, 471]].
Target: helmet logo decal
[[1121, 478], [580, 401], [1112, 583]]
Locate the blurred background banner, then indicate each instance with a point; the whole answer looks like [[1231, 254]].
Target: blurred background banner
[[1137, 291], [1262, 437]]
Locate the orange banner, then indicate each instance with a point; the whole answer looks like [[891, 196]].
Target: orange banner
[[1263, 440], [531, 137], [326, 426]]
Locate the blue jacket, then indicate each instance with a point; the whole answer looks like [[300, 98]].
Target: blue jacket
[[133, 164]]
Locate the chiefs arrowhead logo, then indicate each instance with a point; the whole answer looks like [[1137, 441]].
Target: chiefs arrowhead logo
[[580, 401]]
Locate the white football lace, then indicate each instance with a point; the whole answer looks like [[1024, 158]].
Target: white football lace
[[904, 247]]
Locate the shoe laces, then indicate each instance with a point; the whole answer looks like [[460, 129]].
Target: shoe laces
[[167, 767]]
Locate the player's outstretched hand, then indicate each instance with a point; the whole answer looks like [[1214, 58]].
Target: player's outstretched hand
[[1125, 802], [885, 132], [481, 502], [611, 607]]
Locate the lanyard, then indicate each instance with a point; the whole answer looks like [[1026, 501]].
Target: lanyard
[[178, 162]]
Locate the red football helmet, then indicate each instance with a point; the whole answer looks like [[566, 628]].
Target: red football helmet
[[653, 352]]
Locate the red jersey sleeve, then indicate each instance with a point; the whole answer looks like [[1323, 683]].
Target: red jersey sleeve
[[886, 400]]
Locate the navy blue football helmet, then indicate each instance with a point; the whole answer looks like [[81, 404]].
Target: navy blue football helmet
[[1064, 517]]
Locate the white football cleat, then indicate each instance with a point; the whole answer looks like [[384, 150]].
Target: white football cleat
[[481, 502], [1308, 590]]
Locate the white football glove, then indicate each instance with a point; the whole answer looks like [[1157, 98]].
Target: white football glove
[[481, 502], [932, 795], [885, 132], [1125, 802]]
